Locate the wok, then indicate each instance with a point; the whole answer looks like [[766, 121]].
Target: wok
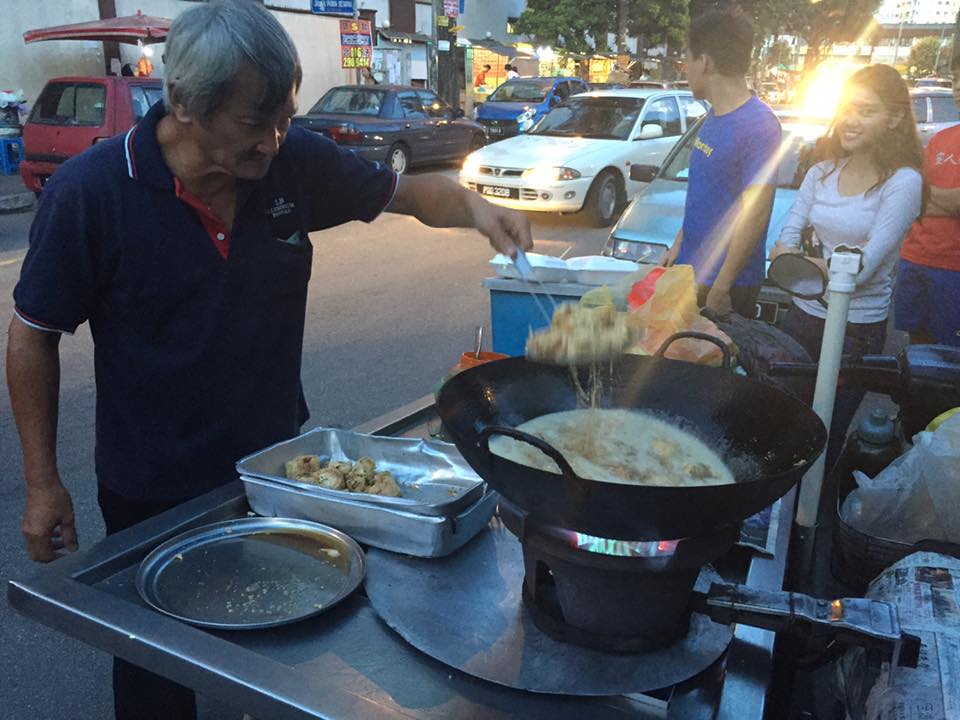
[[767, 438]]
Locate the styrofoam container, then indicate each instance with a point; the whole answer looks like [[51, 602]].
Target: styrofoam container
[[599, 270], [546, 268]]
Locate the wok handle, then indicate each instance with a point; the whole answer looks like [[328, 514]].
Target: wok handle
[[699, 336], [546, 448]]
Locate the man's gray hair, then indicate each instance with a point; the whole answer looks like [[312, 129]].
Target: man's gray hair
[[209, 45]]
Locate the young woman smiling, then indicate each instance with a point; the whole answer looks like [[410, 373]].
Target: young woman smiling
[[865, 194]]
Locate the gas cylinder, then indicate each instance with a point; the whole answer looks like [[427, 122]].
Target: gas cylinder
[[873, 445]]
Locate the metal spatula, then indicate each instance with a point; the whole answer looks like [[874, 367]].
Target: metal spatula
[[523, 266]]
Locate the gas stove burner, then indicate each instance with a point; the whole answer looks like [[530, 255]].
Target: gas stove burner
[[466, 610], [634, 598]]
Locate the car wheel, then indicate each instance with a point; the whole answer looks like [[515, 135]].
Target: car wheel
[[477, 142], [399, 159], [603, 199]]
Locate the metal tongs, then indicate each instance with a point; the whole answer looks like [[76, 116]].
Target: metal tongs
[[523, 266]]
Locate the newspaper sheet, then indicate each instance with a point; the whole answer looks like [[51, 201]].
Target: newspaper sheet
[[925, 587]]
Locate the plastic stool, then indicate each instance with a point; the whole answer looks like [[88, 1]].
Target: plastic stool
[[11, 153]]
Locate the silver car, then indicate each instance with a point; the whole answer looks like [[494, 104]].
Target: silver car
[[935, 109]]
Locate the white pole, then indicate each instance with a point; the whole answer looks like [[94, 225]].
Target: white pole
[[844, 267]]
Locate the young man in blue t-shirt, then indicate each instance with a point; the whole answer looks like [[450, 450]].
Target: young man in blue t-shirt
[[732, 168]]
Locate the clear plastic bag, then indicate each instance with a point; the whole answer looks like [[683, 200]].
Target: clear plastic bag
[[917, 497]]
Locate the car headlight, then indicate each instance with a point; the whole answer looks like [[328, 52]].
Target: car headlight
[[647, 253], [540, 175], [471, 165]]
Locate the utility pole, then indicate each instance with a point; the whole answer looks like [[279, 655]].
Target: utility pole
[[447, 85], [622, 15]]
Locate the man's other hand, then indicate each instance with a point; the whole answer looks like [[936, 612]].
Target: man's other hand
[[505, 229], [48, 522]]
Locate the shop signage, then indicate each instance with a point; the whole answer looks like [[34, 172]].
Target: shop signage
[[332, 7], [356, 44]]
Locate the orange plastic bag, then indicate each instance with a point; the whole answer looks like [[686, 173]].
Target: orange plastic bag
[[672, 308]]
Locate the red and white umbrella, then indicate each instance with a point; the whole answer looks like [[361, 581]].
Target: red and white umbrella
[[132, 29]]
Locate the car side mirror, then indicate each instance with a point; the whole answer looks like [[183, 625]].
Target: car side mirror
[[554, 101], [649, 131], [795, 274], [643, 173]]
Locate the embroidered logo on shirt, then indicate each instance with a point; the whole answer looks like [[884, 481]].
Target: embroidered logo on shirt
[[280, 207], [703, 147], [946, 159]]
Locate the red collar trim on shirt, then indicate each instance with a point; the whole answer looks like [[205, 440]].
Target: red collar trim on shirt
[[218, 232]]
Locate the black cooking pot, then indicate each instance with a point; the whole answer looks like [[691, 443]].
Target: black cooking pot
[[767, 437]]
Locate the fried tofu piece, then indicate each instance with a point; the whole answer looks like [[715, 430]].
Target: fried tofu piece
[[341, 466], [331, 479], [301, 466], [384, 484], [580, 335]]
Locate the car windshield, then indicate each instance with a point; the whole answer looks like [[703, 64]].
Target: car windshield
[[350, 101], [521, 91], [609, 118], [796, 154]]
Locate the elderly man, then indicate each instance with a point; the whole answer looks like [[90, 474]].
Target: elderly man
[[185, 244]]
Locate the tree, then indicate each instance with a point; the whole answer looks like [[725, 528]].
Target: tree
[[573, 24], [927, 57], [569, 24], [821, 23], [778, 53]]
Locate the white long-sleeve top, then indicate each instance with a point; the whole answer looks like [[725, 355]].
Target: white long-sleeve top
[[875, 221]]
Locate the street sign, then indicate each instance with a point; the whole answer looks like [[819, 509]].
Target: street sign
[[451, 8], [332, 7], [356, 44]]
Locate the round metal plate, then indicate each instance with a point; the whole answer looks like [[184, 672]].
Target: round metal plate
[[251, 573], [465, 610]]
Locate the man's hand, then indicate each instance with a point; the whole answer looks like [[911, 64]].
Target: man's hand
[[505, 229], [718, 300], [440, 202], [671, 255], [48, 522]]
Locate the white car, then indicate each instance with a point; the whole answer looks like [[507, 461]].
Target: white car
[[578, 156]]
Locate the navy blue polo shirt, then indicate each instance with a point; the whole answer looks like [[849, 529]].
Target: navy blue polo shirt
[[198, 331]]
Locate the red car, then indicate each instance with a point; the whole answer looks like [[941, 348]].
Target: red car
[[73, 113]]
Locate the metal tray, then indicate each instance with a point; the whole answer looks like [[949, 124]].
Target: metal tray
[[433, 476], [251, 573], [377, 525]]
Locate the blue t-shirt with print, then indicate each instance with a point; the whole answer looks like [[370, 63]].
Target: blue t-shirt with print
[[730, 153]]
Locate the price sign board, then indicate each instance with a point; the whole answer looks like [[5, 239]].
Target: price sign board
[[332, 7], [356, 44]]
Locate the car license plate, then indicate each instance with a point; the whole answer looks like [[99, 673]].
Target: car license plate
[[494, 130], [495, 191]]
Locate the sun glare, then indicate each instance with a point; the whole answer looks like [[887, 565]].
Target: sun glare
[[824, 90]]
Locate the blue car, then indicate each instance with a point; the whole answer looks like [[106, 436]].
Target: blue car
[[650, 223], [515, 106]]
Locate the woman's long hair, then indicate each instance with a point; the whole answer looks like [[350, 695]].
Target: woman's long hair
[[902, 146]]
